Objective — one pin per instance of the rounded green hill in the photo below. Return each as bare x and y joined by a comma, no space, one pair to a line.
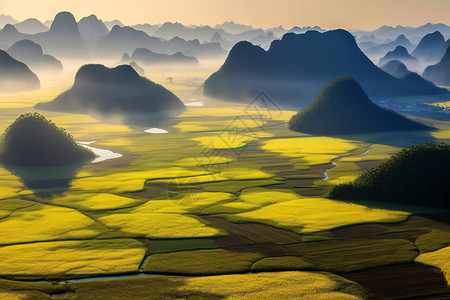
32,140
104,91
416,175
342,107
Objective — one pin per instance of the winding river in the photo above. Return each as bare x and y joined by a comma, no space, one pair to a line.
335,164
102,154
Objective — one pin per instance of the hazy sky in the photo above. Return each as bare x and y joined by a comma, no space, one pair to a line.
349,14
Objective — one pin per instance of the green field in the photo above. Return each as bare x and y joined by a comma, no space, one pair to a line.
228,191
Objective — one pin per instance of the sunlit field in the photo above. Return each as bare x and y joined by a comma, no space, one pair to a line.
228,191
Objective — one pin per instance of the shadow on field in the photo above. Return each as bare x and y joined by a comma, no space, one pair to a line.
46,181
432,213
401,139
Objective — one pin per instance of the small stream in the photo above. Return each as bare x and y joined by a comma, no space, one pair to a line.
143,262
112,277
334,163
194,102
155,130
102,154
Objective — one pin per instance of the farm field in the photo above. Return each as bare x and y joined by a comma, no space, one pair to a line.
225,203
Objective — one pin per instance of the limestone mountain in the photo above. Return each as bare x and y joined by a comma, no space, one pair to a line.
381,49
31,26
430,48
92,28
342,107
440,72
127,39
15,76
9,35
296,68
32,54
99,90
147,57
34,141
400,53
396,68
63,39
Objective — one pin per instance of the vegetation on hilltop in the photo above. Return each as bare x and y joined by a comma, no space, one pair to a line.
416,175
114,91
342,107
32,140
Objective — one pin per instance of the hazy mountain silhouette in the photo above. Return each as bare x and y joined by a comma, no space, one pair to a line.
385,32
31,53
369,38
9,35
170,30
389,32
137,68
147,57
92,28
400,53
430,28
48,23
296,68
226,44
50,144
31,26
203,33
111,24
147,28
6,19
244,36
416,175
216,38
127,39
233,28
447,44
103,91
395,68
430,47
301,30
15,76
342,107
440,72
263,40
63,39
278,31
401,41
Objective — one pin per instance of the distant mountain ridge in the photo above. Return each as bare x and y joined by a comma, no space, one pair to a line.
388,32
147,57
92,28
381,49
233,28
6,19
31,26
295,69
395,68
127,39
32,54
400,53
